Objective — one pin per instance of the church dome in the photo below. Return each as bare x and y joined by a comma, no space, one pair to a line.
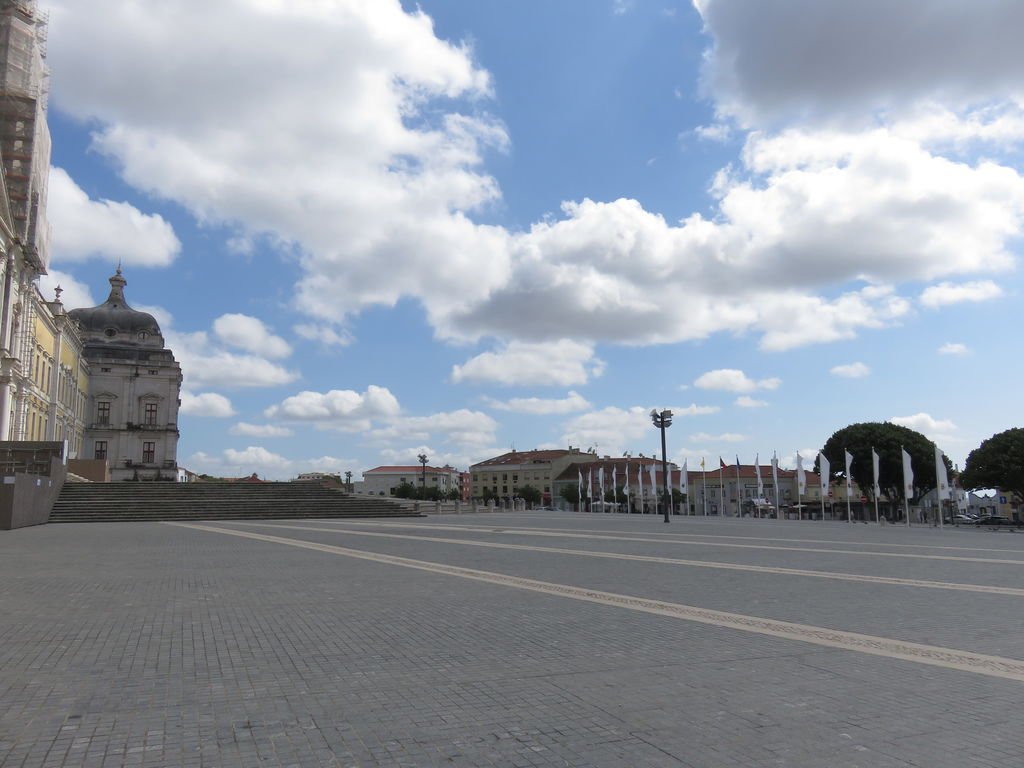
116,322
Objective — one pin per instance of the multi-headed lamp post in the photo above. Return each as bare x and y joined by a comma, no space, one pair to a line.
663,420
423,477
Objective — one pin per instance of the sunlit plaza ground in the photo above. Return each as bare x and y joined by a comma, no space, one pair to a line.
511,639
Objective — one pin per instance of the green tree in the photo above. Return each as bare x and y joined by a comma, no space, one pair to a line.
997,463
570,493
886,439
406,491
488,495
529,494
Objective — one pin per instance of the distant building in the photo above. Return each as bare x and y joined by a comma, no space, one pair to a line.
134,389
382,481
503,475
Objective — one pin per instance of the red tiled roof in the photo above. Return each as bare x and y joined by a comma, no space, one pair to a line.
525,457
416,468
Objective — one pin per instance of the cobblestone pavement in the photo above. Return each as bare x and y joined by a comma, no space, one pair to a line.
143,644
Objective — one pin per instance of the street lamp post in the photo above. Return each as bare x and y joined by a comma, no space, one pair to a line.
423,477
663,420
348,482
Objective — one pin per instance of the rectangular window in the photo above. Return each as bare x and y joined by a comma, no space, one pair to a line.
103,412
154,371
100,450
148,453
150,413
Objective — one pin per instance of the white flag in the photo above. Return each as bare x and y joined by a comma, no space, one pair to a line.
590,483
652,470
849,480
600,482
640,481
757,470
875,490
908,476
625,485
615,483
684,480
775,475
579,483
801,476
826,474
941,478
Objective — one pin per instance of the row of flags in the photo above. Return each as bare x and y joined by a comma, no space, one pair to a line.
942,477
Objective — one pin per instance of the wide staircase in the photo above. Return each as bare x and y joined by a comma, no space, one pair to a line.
117,502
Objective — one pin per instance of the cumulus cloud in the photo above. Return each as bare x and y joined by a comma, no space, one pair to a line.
325,334
612,430
733,380
560,363
746,401
259,430
206,404
342,409
808,59
850,370
953,348
928,425
74,295
462,427
250,334
948,293
725,437
542,406
810,234
85,229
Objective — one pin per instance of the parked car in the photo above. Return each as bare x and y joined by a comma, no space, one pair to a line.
994,520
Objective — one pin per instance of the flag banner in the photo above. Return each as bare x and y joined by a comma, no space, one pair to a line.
701,463
590,483
721,462
640,482
826,473
757,471
775,474
600,483
875,490
652,470
849,479
941,477
625,483
615,482
908,476
801,476
579,483
684,480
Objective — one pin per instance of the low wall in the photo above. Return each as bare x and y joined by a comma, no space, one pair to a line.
28,499
91,469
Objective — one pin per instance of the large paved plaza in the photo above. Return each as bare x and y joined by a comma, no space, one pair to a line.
511,640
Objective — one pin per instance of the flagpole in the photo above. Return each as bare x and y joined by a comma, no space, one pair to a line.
721,483
738,509
906,501
704,479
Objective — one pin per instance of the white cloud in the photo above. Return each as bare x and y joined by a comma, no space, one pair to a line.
850,370
948,293
746,401
725,437
329,337
832,60
342,409
733,380
934,429
542,406
462,427
85,229
259,430
810,235
240,463
206,404
953,348
75,295
612,430
559,363
250,334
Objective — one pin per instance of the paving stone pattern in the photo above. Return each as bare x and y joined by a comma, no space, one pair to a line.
141,644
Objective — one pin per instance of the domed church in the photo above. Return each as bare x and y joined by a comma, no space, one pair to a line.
134,390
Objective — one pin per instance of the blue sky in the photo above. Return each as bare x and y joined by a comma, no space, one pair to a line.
373,229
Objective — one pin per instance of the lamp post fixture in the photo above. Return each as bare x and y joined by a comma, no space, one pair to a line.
663,420
423,477
348,482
